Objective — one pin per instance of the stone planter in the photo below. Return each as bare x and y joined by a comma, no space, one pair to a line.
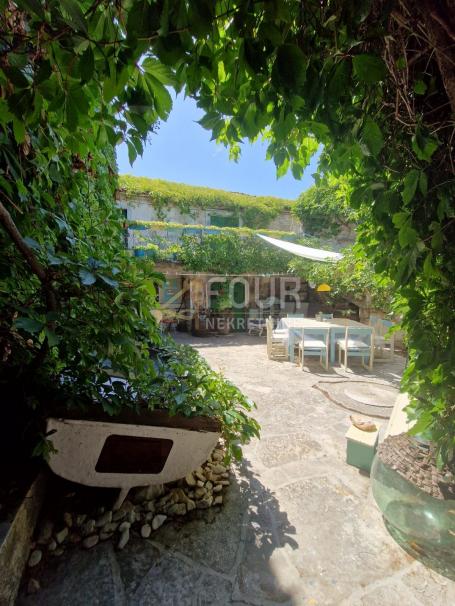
138,227
130,450
417,501
15,541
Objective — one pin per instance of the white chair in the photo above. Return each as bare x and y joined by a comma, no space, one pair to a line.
323,317
327,316
276,342
381,337
255,324
315,342
357,342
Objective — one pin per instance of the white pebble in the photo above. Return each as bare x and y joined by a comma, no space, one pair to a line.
190,480
91,541
52,545
62,535
88,527
35,558
158,521
33,586
124,538
146,531
104,519
218,468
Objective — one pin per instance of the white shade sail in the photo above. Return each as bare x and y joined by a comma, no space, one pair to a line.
315,254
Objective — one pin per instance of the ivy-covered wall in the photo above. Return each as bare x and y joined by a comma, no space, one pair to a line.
173,230
155,199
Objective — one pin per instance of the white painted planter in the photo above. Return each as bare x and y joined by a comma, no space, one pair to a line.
88,453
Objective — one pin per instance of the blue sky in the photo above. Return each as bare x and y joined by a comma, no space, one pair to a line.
181,151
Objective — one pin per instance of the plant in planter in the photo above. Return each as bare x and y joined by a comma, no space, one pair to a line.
168,429
417,500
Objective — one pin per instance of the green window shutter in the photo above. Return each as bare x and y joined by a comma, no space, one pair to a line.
224,221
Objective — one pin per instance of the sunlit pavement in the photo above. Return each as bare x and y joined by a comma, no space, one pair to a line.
299,526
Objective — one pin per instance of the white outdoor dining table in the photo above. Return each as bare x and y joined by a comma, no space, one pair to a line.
337,328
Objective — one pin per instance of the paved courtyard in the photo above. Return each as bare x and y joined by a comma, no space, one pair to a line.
299,526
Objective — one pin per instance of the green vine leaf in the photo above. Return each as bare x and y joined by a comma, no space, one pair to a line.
29,324
372,137
87,64
86,277
410,183
289,70
407,236
369,68
75,14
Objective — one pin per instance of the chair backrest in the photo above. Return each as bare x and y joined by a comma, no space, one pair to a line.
320,334
269,326
359,334
289,306
294,336
295,333
327,316
381,326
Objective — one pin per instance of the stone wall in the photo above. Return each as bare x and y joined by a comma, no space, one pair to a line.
285,221
140,208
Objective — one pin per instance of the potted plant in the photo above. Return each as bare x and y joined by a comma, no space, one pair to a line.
416,494
160,436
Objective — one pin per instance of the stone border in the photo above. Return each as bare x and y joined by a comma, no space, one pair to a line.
380,412
14,550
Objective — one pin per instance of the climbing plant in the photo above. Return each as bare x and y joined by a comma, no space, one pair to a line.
352,278
229,254
323,210
170,228
370,81
252,211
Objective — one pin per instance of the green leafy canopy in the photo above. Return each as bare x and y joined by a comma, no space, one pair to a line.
360,80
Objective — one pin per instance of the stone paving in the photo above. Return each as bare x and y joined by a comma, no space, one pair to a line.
299,526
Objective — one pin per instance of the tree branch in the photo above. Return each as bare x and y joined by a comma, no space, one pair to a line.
29,256
442,42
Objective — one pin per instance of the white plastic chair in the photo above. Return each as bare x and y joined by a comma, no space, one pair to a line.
255,323
315,342
381,338
357,342
276,342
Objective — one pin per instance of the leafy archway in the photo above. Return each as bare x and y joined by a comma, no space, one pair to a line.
371,81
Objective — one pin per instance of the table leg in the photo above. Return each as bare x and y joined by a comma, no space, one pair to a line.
291,347
332,347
